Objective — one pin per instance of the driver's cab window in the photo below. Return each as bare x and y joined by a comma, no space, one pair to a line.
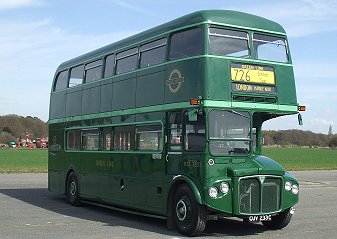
229,132
195,132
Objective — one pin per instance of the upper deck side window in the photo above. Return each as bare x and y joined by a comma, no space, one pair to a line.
226,42
61,81
76,76
186,43
270,48
152,53
127,61
93,71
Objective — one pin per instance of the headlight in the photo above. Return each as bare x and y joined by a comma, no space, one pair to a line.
213,192
224,187
294,189
288,186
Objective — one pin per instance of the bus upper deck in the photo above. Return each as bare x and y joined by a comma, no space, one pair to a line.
234,58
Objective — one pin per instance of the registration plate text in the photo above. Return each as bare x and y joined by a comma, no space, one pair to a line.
259,218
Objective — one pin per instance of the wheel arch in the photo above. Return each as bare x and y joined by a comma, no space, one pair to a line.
177,181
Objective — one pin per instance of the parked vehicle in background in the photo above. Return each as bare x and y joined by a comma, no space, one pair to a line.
11,144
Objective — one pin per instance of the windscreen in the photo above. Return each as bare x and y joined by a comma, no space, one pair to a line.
229,132
270,48
225,42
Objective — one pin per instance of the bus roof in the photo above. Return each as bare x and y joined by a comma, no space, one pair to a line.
224,17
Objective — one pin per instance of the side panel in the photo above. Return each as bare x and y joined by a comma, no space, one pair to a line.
91,98
124,92
56,158
183,80
150,183
90,176
106,96
150,87
74,101
57,105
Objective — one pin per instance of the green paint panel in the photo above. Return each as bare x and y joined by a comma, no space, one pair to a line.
123,94
150,87
106,96
91,99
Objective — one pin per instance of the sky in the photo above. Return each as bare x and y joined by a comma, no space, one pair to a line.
37,35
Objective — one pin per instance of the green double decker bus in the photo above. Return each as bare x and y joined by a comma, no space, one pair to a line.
167,122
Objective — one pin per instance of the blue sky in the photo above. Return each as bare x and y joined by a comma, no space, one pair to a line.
37,35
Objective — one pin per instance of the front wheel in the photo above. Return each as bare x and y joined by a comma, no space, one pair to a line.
279,221
189,216
72,190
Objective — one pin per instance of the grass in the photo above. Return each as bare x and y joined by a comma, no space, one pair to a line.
303,158
23,160
36,160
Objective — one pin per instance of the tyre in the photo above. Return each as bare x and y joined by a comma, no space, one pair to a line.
72,190
189,216
279,221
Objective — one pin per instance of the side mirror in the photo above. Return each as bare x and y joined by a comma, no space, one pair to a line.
300,120
193,115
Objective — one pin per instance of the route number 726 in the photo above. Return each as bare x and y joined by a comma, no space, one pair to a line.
241,75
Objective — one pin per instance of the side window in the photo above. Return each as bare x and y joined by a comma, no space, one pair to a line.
152,53
195,133
149,137
61,81
109,65
185,44
124,137
93,71
175,130
73,140
76,76
107,138
90,139
127,61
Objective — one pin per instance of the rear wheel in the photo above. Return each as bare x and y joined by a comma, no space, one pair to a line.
279,221
189,216
72,190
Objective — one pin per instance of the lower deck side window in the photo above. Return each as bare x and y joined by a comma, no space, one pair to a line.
73,140
90,140
149,137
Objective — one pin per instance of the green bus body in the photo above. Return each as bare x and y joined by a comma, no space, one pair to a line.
133,139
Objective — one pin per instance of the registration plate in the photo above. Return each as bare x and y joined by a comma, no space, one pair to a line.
252,74
259,218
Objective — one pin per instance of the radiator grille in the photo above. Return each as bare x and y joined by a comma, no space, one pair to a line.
256,99
259,195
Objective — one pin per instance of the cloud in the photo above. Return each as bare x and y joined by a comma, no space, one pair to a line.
133,7
12,4
299,18
321,122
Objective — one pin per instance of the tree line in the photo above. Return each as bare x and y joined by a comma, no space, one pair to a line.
12,127
299,138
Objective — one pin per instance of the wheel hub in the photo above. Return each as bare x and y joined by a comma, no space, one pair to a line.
181,210
73,188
